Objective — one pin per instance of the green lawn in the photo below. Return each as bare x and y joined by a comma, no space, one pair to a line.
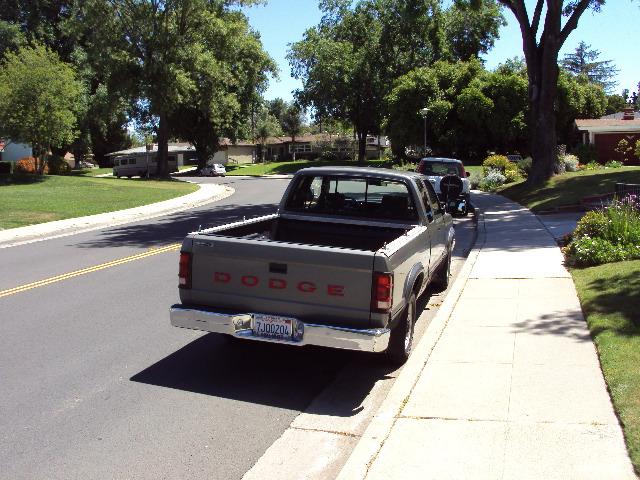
279,168
29,200
91,172
610,297
570,188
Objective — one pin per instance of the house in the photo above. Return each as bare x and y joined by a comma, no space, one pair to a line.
235,153
313,145
14,151
605,133
183,152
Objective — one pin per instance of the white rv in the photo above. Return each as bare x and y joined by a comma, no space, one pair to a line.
138,165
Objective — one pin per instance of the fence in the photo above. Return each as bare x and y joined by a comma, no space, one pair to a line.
625,189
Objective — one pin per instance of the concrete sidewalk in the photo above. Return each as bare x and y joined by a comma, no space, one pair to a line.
207,193
506,383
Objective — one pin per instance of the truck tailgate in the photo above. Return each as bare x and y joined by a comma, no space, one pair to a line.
316,284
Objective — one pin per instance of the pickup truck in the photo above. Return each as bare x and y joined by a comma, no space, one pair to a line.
339,265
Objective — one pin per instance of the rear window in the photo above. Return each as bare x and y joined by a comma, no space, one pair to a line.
440,168
352,196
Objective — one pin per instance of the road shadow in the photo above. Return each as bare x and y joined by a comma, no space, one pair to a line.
262,373
173,228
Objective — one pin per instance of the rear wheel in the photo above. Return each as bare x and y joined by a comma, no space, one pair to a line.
401,340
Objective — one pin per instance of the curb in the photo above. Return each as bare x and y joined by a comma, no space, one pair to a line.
374,437
62,228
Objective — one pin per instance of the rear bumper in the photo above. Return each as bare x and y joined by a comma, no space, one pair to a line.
240,325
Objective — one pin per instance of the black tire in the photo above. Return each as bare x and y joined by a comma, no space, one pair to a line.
401,340
441,278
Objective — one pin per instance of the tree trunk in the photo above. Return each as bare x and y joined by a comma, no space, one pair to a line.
362,147
543,88
163,147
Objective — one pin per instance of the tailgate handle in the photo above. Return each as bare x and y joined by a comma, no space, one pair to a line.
278,268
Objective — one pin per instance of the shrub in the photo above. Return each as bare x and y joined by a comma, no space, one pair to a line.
27,165
587,251
492,180
610,235
592,166
571,162
525,165
592,224
613,164
495,162
637,152
58,165
501,164
586,153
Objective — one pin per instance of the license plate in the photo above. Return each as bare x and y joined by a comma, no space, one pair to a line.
272,326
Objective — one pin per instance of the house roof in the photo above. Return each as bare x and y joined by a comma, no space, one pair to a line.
173,148
608,125
619,115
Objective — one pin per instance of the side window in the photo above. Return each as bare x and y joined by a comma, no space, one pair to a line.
424,198
433,198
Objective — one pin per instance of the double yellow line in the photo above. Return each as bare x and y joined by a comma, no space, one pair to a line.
84,271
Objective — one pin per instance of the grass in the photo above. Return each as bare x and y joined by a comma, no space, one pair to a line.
569,188
29,200
91,172
610,297
280,168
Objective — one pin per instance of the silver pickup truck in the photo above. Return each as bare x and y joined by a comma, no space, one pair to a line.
339,265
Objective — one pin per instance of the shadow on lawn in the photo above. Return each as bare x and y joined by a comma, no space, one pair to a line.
618,294
21,179
570,189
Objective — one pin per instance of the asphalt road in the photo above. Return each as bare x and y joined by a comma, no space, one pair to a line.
95,383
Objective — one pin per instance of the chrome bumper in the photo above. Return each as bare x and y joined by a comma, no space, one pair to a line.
240,325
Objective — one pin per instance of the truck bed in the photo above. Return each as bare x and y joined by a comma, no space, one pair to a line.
327,234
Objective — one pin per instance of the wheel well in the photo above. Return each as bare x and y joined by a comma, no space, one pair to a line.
418,284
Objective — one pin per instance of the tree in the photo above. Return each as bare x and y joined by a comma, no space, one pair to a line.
470,110
336,62
266,126
577,98
615,103
224,83
40,99
584,62
292,122
11,38
471,27
166,42
541,55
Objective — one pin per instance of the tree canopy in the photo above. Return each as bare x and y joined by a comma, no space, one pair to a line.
40,100
349,62
584,62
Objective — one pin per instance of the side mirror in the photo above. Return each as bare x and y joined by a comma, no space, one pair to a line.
468,174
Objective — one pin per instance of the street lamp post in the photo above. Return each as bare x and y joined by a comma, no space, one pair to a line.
424,112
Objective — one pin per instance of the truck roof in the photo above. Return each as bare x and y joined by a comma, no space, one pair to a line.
361,171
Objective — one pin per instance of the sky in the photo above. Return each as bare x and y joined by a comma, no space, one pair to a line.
612,31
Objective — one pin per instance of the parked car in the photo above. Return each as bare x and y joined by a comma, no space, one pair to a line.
435,168
514,157
83,164
340,264
213,170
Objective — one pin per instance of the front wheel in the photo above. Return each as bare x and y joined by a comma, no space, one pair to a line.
441,278
401,340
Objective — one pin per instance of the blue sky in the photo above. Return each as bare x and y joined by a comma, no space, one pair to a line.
613,31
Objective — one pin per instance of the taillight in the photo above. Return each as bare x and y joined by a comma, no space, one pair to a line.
184,274
382,292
